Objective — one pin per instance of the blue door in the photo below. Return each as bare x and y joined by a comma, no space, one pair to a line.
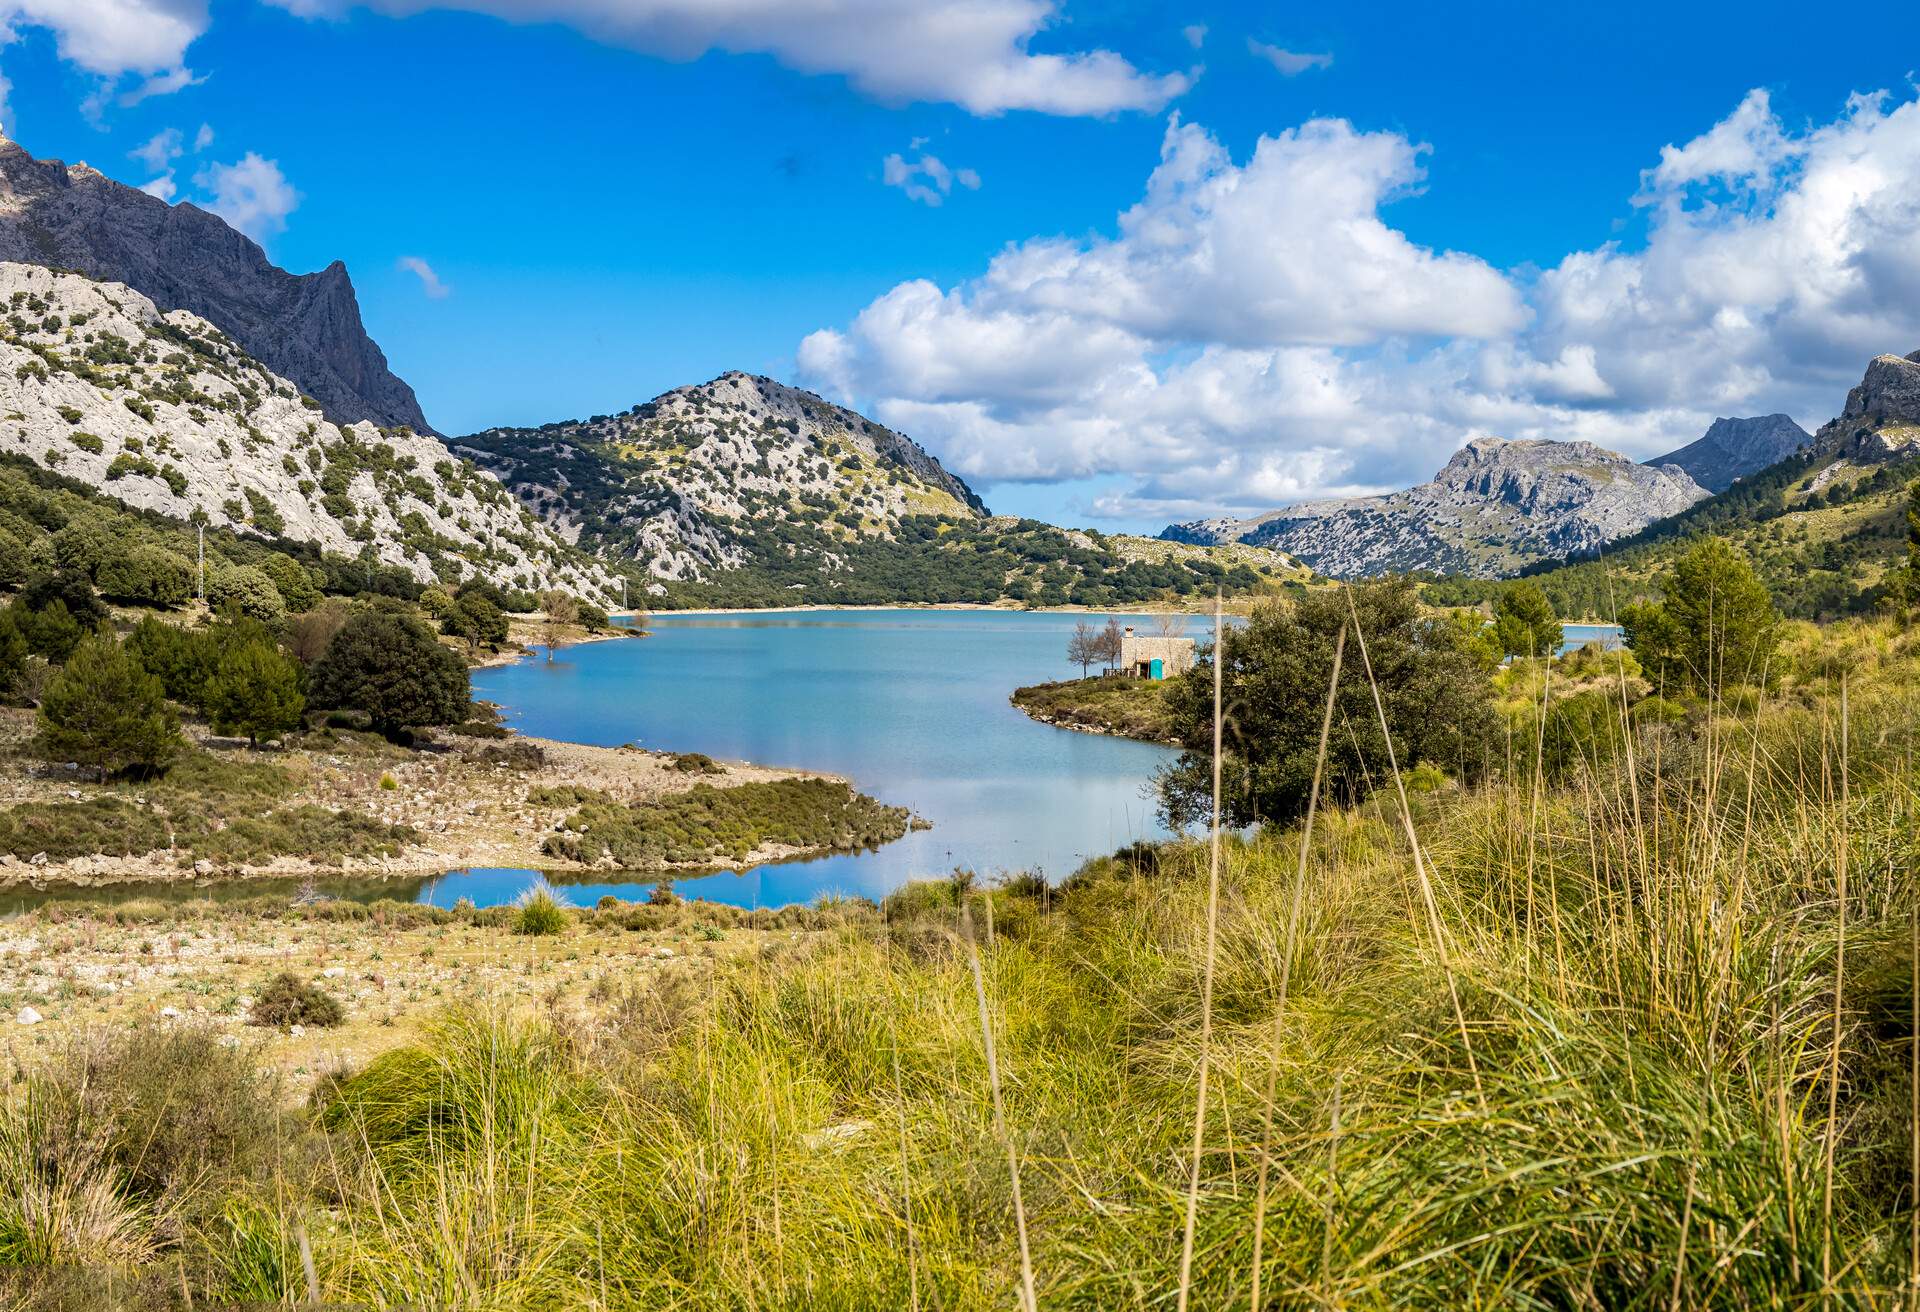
1156,669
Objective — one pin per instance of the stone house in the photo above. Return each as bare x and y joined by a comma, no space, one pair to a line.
1145,657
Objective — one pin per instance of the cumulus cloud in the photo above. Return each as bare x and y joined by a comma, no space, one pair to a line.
1251,334
160,150
429,280
203,138
163,186
115,39
252,194
926,179
1196,34
1291,63
972,53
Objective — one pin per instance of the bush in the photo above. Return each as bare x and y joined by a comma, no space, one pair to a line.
540,910
697,763
147,575
1714,626
391,668
1523,621
287,1000
105,711
292,581
182,659
475,620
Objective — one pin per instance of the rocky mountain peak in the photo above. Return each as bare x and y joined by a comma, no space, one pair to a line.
1733,449
1881,418
305,327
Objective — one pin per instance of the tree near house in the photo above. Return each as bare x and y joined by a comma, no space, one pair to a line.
103,710
1084,646
1111,637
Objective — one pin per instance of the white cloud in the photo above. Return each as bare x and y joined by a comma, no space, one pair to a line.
1291,63
112,39
429,280
1196,34
160,150
926,179
972,53
251,194
1252,334
163,186
203,138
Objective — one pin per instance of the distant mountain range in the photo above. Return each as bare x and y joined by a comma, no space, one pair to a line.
304,327
1495,506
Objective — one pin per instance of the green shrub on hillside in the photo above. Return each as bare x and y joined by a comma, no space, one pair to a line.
104,711
707,824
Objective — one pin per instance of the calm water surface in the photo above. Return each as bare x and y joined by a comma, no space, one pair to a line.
910,705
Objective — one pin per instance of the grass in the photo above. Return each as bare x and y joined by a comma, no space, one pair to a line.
1132,708
1579,1038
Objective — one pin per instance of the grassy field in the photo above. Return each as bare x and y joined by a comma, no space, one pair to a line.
1633,1025
1132,708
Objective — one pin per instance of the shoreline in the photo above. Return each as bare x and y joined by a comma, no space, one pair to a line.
927,606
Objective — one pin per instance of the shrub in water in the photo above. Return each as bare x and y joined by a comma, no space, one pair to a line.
289,1000
540,911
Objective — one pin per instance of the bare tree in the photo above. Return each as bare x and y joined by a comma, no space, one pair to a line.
1110,640
561,610
1170,625
1084,647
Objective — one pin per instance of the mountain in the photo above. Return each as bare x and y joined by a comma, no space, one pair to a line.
1733,449
1822,527
1496,505
304,327
694,480
165,412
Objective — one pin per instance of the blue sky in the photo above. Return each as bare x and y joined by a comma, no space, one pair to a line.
1460,223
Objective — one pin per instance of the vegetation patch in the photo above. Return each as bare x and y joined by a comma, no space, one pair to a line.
1114,704
286,999
708,824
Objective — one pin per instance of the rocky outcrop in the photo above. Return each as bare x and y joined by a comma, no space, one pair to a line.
1733,449
693,481
1881,419
1497,505
304,327
165,412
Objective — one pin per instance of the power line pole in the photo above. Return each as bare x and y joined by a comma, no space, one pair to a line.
203,564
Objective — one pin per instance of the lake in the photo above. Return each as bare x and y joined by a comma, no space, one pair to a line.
911,705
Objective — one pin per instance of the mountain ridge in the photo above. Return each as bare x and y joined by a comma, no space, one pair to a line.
1496,504
305,327
1733,449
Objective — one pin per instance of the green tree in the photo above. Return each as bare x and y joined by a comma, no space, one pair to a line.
245,589
559,609
255,690
13,655
50,631
182,659
391,668
1277,666
1714,626
103,710
1523,621
292,580
147,575
476,620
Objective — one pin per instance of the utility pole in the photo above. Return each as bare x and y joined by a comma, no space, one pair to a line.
203,564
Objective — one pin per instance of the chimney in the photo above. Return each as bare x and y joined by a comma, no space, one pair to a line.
1129,630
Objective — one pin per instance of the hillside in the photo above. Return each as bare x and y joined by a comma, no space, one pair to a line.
1822,527
746,492
304,327
167,413
1496,506
1733,449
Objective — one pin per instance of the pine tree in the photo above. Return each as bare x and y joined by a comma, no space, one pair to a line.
1523,621
255,690
103,710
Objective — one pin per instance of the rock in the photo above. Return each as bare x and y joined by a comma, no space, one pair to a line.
1881,419
296,1030
37,859
1496,505
333,972
305,327
27,1016
171,1013
203,867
